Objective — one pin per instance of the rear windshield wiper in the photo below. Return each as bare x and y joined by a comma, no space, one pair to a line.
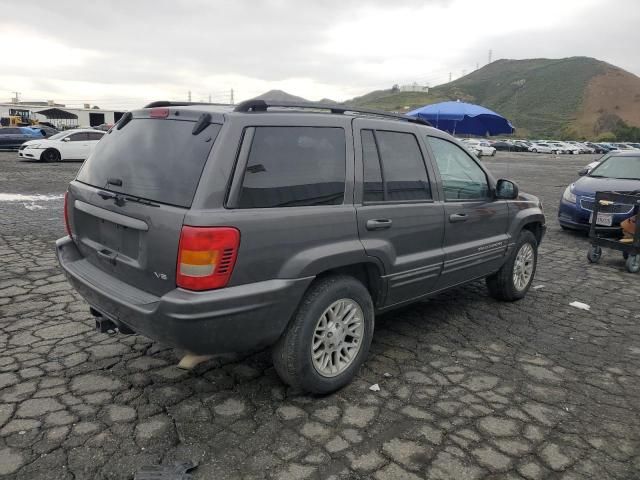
120,199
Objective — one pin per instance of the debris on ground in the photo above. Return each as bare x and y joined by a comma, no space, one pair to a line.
580,305
375,387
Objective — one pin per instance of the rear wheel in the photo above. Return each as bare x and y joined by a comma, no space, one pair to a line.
328,337
50,155
513,280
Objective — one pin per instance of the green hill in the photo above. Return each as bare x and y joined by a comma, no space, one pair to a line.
542,97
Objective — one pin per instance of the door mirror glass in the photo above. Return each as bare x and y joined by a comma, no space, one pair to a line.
506,189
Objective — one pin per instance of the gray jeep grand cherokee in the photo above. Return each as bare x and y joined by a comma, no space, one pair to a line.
288,226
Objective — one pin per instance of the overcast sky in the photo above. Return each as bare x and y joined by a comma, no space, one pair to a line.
123,53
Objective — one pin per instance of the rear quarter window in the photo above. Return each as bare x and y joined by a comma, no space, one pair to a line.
156,159
294,166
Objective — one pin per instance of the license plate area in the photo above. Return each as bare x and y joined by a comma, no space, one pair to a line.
603,219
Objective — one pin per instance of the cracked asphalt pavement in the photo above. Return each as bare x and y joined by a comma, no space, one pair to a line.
469,387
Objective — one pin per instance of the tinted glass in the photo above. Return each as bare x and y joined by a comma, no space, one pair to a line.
403,167
462,177
95,136
373,191
10,131
155,159
294,166
58,136
79,137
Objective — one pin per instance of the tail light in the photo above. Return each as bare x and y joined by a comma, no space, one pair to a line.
67,226
206,257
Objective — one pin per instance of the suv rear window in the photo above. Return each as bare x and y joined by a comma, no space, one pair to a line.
156,159
295,166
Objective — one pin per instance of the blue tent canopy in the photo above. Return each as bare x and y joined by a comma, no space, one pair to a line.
463,118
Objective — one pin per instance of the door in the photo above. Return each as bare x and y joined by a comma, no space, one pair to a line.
96,119
475,240
76,146
399,220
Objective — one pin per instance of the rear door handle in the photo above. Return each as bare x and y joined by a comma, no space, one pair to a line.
108,255
458,217
379,224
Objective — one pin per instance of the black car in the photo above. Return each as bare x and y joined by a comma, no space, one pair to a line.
598,148
509,147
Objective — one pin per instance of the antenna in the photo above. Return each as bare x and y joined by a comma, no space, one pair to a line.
490,55
449,76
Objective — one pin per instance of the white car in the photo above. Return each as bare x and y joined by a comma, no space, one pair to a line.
542,148
479,147
68,145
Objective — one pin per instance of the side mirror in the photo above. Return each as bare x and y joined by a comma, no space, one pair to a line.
66,139
507,190
583,172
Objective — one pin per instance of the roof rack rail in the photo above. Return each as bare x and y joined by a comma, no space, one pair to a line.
167,103
263,105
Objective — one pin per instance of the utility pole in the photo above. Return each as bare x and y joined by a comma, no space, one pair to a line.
477,65
231,97
189,96
490,55
449,76
209,98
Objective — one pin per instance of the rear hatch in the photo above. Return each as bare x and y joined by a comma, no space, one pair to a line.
127,204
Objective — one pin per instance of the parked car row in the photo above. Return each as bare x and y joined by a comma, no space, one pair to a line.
489,147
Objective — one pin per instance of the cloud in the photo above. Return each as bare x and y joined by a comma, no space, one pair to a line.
124,53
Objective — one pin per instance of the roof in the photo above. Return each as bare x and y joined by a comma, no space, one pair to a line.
58,114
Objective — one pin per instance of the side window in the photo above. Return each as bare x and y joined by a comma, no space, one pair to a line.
95,136
78,137
373,189
403,175
462,177
295,166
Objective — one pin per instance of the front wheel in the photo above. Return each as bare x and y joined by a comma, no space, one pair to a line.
633,263
328,337
50,155
514,279
594,254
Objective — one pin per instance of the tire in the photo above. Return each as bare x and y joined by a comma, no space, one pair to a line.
594,254
501,284
50,155
535,150
633,264
293,354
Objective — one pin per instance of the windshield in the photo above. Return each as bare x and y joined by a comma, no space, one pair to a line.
158,160
58,136
626,167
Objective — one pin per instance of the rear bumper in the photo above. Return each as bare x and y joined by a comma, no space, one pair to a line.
233,319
